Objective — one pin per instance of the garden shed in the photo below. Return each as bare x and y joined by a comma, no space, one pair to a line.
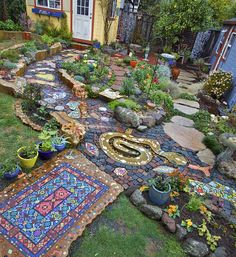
224,55
87,19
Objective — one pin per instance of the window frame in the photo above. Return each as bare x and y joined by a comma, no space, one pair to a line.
222,38
229,45
48,5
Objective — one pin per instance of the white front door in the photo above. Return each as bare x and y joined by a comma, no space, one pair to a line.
82,19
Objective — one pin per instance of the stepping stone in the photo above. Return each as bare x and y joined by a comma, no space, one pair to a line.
206,156
48,77
185,109
164,169
182,121
189,138
188,103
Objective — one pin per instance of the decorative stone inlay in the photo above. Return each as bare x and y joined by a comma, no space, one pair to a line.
214,188
59,95
175,158
164,169
92,149
110,95
205,170
120,171
48,77
186,137
75,114
102,109
49,100
24,118
125,148
59,108
73,105
85,191
75,131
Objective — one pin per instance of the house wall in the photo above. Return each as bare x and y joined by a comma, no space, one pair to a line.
227,64
98,28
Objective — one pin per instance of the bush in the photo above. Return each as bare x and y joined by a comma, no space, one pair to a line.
188,96
173,89
162,99
213,144
28,47
5,64
48,39
130,104
9,25
202,120
194,203
128,87
218,83
11,55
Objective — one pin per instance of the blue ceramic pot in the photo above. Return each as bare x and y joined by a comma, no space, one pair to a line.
60,148
97,45
159,197
45,155
12,175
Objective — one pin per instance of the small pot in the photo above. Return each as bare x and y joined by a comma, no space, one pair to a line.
60,148
27,35
97,45
133,64
175,73
26,163
159,197
45,155
12,175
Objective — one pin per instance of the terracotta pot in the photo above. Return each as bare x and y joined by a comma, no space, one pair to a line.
26,35
175,71
133,64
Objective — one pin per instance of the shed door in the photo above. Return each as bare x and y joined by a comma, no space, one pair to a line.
82,19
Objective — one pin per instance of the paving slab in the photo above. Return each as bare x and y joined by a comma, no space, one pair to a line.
188,103
182,121
185,109
206,156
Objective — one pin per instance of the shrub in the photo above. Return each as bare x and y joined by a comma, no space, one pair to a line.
12,55
173,89
10,25
213,144
194,203
188,96
163,71
28,47
218,83
128,87
127,103
163,83
202,120
162,99
5,64
48,39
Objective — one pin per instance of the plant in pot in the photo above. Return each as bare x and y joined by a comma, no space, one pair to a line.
28,156
96,44
59,142
10,170
46,148
159,192
133,61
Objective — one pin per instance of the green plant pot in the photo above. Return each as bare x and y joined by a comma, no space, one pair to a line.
26,163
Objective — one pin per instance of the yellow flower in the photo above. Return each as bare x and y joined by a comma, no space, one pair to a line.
203,209
189,223
143,188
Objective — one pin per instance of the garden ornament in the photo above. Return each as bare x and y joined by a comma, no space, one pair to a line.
74,131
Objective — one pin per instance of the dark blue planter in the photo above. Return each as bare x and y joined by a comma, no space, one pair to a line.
97,45
159,197
12,175
45,155
60,148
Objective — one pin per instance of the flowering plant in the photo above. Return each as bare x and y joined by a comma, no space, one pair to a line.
173,211
204,211
188,224
218,83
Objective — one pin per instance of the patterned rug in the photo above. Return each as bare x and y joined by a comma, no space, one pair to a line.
41,214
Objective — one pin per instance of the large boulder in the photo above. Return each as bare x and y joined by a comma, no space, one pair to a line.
137,198
152,211
126,116
219,252
195,248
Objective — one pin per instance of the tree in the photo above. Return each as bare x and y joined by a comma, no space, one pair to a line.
177,16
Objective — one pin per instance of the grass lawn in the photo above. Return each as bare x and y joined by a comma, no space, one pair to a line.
121,231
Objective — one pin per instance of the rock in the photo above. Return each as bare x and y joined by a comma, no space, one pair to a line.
137,91
126,116
159,116
219,252
182,121
153,212
169,223
142,128
188,103
206,156
189,138
110,95
195,248
137,198
164,169
130,190
181,232
227,168
148,121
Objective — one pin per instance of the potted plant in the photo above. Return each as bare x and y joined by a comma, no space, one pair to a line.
10,170
160,189
28,156
46,148
133,61
96,44
59,142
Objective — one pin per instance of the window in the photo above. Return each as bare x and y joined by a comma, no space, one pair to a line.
230,43
52,4
83,7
